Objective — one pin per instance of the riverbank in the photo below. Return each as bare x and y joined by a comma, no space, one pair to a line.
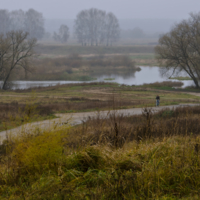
125,76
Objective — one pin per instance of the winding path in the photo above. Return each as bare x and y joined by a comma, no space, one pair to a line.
77,118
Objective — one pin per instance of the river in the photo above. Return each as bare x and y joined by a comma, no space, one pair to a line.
146,75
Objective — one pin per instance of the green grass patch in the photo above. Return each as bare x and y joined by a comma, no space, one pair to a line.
181,78
145,56
109,79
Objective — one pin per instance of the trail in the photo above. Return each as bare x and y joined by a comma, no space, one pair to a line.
77,118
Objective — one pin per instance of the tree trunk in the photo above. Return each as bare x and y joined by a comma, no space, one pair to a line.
5,81
196,83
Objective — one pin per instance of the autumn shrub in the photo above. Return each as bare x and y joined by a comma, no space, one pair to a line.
38,152
153,169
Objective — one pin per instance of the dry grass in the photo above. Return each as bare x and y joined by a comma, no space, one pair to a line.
97,96
14,114
166,123
138,157
64,50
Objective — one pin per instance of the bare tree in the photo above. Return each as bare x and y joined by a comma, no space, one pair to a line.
179,50
62,35
34,24
112,31
4,21
15,52
17,20
82,27
94,27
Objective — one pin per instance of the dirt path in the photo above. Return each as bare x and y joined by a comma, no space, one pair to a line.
76,118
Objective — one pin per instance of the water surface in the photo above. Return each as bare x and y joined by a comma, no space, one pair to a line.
146,75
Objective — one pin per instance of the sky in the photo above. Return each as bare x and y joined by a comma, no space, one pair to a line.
123,9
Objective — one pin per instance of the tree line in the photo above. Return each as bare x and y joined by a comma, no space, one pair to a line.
95,27
91,27
30,21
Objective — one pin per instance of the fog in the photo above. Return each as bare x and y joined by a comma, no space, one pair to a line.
152,16
149,26
123,9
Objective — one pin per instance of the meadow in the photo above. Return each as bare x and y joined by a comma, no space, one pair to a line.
151,156
23,106
56,50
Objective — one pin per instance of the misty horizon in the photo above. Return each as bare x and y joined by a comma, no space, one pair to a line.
149,26
126,9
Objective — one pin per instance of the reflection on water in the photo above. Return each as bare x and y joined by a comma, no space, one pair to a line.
146,75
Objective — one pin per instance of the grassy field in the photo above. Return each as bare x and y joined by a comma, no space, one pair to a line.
141,54
16,112
149,156
58,50
181,78
82,98
144,59
152,156
135,96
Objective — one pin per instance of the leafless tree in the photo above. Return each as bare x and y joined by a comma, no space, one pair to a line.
112,29
179,50
17,20
5,21
62,35
94,27
31,22
82,27
34,24
15,52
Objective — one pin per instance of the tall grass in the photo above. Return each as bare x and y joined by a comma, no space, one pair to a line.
76,163
15,114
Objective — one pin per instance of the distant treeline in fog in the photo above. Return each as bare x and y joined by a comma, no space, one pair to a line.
30,21
91,27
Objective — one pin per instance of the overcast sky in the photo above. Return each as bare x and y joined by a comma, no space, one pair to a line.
123,9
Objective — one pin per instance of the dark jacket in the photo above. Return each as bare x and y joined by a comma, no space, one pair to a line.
157,98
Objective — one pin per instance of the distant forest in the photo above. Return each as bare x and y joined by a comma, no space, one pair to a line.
91,27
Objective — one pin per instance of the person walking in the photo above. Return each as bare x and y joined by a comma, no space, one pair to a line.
157,100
